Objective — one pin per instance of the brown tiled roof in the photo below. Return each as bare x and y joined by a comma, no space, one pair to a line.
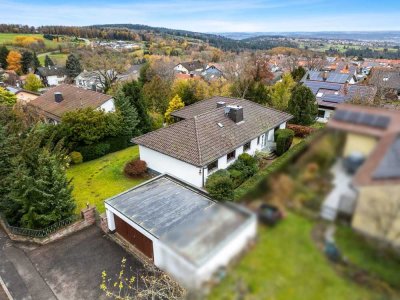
73,98
192,65
199,139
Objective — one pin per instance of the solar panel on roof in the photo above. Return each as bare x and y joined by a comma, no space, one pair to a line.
340,115
381,122
366,119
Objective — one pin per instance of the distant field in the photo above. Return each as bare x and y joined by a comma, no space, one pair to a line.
58,58
8,38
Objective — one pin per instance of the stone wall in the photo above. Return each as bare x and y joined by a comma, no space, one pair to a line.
88,218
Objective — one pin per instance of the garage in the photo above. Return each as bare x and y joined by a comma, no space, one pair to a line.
185,232
137,239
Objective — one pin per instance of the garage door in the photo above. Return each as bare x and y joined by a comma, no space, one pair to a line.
139,240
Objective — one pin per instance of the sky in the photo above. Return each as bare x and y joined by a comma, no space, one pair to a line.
211,16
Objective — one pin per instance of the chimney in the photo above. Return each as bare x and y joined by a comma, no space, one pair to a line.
221,104
346,88
58,97
94,87
325,76
235,113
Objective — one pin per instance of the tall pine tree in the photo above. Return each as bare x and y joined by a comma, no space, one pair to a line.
132,90
73,66
35,61
26,61
48,62
40,193
3,57
130,119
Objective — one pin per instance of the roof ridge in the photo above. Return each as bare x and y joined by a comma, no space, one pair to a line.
197,139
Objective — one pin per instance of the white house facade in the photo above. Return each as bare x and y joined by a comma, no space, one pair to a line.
196,147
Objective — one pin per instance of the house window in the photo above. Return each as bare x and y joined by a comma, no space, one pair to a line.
212,166
321,113
258,140
246,147
231,155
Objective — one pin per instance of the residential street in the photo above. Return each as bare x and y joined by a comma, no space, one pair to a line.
67,269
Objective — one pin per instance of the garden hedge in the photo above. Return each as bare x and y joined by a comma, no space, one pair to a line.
284,139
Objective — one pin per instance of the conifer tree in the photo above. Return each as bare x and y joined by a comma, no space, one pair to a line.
3,57
130,119
48,62
73,66
132,90
175,104
35,61
26,61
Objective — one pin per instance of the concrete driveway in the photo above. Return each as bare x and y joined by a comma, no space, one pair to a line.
67,269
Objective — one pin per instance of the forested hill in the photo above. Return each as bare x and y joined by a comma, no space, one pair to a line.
218,41
137,32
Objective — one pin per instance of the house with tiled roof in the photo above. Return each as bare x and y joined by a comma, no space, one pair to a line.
387,81
367,172
51,75
210,135
65,98
190,67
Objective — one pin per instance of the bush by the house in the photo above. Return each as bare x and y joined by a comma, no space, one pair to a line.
94,151
300,130
284,139
118,143
220,186
135,168
244,167
76,157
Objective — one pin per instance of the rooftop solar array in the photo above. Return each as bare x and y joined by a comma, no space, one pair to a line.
381,122
389,166
337,77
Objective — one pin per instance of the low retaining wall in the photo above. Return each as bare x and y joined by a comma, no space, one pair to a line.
88,218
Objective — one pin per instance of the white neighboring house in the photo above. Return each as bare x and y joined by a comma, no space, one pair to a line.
64,98
180,228
89,80
52,75
210,135
189,67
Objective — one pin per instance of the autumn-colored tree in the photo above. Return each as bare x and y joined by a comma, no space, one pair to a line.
175,104
190,90
32,83
14,61
282,91
7,98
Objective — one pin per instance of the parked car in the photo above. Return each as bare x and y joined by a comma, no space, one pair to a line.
269,214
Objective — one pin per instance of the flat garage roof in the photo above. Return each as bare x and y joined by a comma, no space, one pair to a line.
180,215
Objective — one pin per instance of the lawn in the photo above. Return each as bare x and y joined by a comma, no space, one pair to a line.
99,179
59,59
384,266
8,38
285,264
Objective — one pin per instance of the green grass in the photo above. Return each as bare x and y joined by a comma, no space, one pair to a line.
384,266
8,38
285,264
58,58
99,179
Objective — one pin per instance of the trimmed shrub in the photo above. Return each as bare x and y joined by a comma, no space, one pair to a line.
118,143
135,168
237,177
94,151
300,130
220,186
76,157
283,139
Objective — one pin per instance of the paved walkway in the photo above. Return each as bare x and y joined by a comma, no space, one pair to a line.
66,269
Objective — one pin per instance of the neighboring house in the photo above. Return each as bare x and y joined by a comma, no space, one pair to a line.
368,171
51,76
64,98
131,74
329,95
210,135
181,229
387,81
330,77
212,72
189,67
89,80
25,96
